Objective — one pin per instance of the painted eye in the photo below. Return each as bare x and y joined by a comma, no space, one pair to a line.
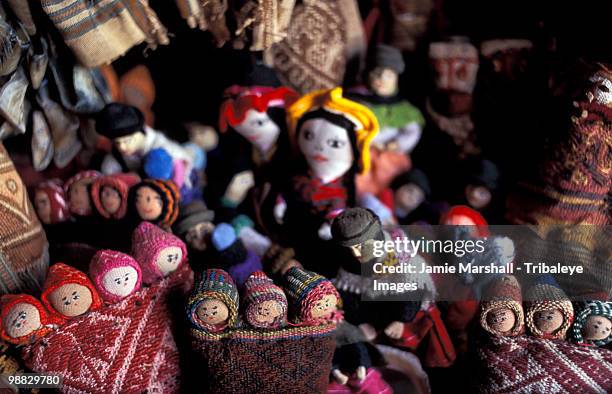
308,135
336,144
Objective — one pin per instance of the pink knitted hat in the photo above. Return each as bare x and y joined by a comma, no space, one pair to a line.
150,248
116,275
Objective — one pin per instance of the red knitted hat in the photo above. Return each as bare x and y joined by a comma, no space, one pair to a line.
89,176
47,321
476,218
53,189
120,182
169,194
61,274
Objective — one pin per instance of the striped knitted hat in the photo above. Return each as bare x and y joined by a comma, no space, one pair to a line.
546,294
218,285
584,310
504,292
259,288
57,199
88,177
169,194
304,288
120,182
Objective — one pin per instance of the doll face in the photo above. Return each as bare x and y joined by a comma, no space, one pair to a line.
203,136
266,313
120,281
71,299
325,306
409,197
43,206
259,129
597,328
501,319
549,320
456,73
477,196
327,149
212,312
78,198
383,81
22,319
148,203
110,199
169,259
198,236
130,144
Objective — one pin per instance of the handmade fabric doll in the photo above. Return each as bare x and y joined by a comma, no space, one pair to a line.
593,324
155,201
548,312
68,292
501,309
50,202
213,303
110,194
158,252
116,275
232,255
411,198
265,304
124,125
77,192
353,355
356,230
24,319
195,225
481,184
313,298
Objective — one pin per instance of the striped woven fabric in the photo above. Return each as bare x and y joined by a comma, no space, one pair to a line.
99,31
246,334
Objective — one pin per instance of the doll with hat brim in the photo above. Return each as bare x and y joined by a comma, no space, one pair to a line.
593,323
232,255
213,303
155,201
110,194
77,192
116,275
50,202
195,225
411,198
158,252
501,309
265,304
68,293
313,298
24,319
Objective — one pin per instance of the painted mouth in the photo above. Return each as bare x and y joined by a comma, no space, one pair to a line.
319,158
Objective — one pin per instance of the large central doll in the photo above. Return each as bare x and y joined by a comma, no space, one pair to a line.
332,137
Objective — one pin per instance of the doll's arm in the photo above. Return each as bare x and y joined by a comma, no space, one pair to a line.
408,137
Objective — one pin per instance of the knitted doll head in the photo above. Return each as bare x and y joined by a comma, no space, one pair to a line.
455,64
157,164
213,304
313,297
265,304
156,201
68,292
24,319
195,225
593,324
502,311
384,73
481,182
251,113
548,311
116,275
110,194
332,133
158,252
123,124
50,202
357,229
78,194
410,189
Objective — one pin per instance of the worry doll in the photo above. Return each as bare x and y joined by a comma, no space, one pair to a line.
213,303
24,319
593,324
265,304
50,202
77,192
110,194
155,201
116,275
313,298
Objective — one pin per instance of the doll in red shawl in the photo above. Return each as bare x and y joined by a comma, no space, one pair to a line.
24,319
50,202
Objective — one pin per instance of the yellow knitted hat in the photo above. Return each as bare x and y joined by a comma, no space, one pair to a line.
332,100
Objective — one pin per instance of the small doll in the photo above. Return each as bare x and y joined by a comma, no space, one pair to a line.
204,136
265,304
24,319
195,226
313,298
411,194
481,183
132,139
501,311
50,202
110,194
116,275
155,201
593,324
353,354
548,311
158,252
78,194
213,303
232,255
68,293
